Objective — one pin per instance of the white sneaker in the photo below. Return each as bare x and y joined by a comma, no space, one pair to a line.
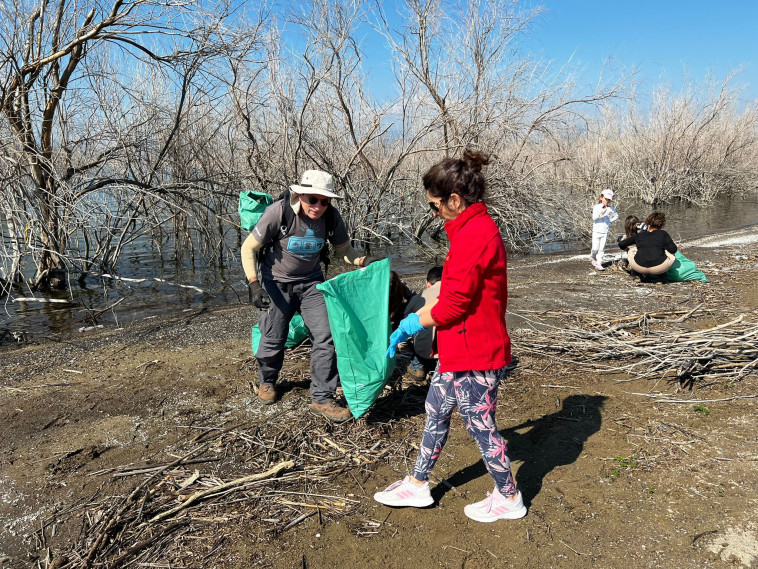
599,266
405,493
496,507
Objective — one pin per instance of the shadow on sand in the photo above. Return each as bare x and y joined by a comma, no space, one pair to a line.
550,441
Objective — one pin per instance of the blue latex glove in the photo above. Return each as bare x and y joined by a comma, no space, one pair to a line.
407,328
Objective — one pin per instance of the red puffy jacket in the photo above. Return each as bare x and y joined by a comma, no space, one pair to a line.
470,312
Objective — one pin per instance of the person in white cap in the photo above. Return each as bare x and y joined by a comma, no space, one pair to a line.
290,245
603,215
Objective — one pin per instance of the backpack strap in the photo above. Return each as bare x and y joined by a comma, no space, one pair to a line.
288,214
330,221
329,218
285,224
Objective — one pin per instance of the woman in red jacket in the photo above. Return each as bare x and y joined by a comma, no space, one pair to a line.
472,340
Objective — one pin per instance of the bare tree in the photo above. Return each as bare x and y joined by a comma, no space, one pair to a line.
80,125
143,120
692,145
10,210
464,62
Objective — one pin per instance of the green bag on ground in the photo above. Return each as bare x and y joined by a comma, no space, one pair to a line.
297,333
251,207
358,307
684,270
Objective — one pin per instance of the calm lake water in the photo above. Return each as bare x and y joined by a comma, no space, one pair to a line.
141,300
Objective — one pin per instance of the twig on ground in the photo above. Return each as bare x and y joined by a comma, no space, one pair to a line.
660,398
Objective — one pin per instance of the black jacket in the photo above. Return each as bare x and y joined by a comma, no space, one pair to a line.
651,247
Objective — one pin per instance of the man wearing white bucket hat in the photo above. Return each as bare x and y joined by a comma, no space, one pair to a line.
603,215
291,235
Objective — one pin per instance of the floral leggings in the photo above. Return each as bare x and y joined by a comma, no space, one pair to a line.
475,394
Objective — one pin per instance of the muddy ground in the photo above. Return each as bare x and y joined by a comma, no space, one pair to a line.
611,477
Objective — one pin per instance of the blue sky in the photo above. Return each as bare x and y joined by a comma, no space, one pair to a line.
670,41
664,39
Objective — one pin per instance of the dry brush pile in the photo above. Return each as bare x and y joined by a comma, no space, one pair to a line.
259,478
727,352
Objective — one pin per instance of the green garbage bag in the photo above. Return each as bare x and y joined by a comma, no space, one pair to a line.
297,333
358,307
684,270
251,207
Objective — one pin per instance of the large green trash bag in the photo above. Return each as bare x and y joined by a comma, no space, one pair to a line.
251,207
358,307
297,333
684,270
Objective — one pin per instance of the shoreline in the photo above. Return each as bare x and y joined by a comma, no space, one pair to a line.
80,411
164,305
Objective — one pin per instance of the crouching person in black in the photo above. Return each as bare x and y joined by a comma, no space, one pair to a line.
655,250
291,244
423,361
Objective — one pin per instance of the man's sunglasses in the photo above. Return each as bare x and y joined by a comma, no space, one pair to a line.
313,200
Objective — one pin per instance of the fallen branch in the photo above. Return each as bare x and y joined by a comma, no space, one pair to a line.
297,520
116,519
136,548
154,279
198,496
41,386
93,315
122,471
42,300
659,398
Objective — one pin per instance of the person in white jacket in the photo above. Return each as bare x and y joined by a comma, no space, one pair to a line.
603,215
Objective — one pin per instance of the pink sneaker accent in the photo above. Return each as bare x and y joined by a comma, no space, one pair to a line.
405,493
496,507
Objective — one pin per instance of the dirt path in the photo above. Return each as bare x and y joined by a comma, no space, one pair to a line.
610,475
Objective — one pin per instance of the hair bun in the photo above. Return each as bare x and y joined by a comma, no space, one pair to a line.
475,159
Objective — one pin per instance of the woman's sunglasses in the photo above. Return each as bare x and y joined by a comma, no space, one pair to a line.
313,200
435,207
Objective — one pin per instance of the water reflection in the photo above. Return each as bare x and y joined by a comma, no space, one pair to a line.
686,221
223,286
683,221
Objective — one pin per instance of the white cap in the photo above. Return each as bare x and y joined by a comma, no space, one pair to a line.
316,182
607,194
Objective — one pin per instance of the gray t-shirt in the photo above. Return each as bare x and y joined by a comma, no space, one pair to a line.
296,257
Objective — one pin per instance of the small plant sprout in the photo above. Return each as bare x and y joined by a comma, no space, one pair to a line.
702,410
622,463
630,462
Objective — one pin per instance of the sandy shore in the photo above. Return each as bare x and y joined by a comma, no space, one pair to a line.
612,473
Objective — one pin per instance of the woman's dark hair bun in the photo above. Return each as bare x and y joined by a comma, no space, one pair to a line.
462,176
475,159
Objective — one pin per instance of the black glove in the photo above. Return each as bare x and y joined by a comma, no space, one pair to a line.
258,295
368,259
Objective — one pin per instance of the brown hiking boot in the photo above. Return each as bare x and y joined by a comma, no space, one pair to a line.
417,375
267,393
331,410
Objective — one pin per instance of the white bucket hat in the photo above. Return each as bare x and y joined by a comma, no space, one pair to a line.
607,194
317,183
